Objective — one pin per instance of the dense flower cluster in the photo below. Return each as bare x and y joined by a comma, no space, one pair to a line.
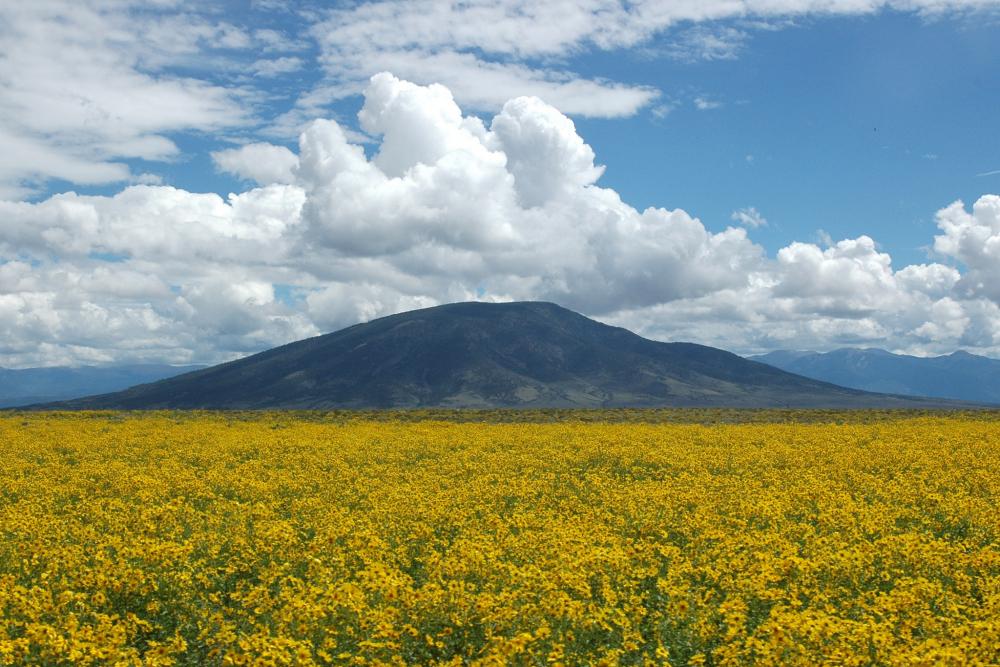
274,540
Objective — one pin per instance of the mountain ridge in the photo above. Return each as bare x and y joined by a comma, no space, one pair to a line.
487,355
960,375
26,386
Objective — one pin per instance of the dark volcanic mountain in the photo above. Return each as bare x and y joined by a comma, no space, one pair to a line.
959,375
487,355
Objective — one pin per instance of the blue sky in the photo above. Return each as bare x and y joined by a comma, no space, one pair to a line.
849,125
831,142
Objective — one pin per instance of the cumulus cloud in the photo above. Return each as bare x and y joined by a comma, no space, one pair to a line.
261,162
512,210
544,153
974,240
447,207
847,294
151,273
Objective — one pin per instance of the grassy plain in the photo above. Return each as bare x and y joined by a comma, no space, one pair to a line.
624,537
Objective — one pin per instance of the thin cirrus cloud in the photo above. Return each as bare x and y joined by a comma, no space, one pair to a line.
273,67
702,103
749,217
86,86
487,52
448,207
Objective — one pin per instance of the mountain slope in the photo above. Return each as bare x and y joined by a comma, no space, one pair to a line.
486,355
35,385
960,376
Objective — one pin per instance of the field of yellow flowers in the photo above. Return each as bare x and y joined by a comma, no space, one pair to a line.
276,539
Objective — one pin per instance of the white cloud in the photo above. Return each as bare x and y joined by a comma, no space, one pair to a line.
544,153
749,217
147,178
662,110
707,43
82,88
261,162
163,228
189,275
846,294
513,210
934,280
974,240
277,66
25,159
445,208
846,277
337,303
275,41
480,83
705,103
487,52
525,29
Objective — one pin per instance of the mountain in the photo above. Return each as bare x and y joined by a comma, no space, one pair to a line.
525,354
36,385
960,376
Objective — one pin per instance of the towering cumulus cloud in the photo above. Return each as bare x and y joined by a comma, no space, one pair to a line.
450,208
446,207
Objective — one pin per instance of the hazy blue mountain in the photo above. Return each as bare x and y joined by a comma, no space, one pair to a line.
35,385
960,375
487,355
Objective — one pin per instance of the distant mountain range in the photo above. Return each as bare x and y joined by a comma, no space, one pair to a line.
39,385
960,376
488,355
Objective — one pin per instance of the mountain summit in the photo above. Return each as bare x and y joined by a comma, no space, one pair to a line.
527,354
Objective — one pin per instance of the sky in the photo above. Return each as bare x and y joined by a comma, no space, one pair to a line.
190,181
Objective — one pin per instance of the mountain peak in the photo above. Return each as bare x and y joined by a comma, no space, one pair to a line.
480,354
